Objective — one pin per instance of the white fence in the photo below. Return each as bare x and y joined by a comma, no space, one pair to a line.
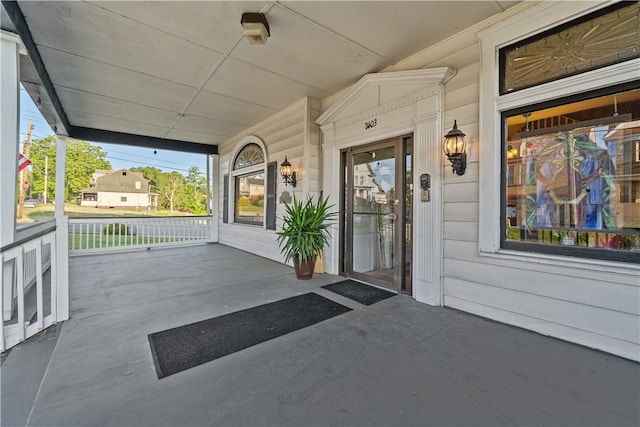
34,270
90,235
33,292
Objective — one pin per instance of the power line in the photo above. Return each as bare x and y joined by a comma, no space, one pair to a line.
36,136
144,157
150,164
29,115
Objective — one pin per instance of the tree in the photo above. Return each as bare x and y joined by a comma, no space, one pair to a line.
81,162
169,189
195,192
41,149
154,175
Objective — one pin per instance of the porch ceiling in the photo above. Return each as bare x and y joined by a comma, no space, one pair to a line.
176,71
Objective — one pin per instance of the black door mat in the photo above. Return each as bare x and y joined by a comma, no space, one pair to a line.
359,292
184,347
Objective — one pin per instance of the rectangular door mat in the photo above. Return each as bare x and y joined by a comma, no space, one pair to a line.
359,292
184,347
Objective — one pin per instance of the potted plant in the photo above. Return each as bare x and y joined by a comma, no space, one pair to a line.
305,233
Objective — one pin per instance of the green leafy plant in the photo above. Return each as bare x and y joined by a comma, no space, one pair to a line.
305,228
116,228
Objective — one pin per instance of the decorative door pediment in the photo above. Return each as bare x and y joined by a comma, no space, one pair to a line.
377,89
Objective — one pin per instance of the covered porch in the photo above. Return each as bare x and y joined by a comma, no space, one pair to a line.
396,362
182,76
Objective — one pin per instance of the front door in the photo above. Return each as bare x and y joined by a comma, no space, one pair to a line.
376,230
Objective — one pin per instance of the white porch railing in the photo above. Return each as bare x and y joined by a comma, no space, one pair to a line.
34,259
91,235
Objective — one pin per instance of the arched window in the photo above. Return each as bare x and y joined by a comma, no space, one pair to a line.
249,179
250,155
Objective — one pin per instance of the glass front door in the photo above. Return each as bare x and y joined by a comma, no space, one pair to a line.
377,206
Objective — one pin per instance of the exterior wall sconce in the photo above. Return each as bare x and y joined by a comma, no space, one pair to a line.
256,27
455,149
287,173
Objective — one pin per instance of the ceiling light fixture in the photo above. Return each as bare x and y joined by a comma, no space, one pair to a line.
256,27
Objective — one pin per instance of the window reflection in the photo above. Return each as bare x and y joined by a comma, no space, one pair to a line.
250,199
573,174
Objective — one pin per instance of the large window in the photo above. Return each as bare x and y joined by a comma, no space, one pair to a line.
571,176
248,172
560,133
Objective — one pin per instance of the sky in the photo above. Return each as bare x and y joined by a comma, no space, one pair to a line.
120,156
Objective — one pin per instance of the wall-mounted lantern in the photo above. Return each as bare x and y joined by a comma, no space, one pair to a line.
287,173
455,149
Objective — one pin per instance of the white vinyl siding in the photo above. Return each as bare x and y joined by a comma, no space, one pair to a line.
287,133
131,200
590,303
593,303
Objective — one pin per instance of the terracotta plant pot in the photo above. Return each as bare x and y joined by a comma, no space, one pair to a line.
304,270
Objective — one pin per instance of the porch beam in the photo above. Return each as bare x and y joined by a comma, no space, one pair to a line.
111,137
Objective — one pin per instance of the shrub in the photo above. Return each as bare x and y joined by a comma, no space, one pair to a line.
116,228
244,201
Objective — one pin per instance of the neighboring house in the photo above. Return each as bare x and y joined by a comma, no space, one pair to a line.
118,189
252,188
365,186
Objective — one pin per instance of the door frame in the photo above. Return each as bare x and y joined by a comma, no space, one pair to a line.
346,217
387,105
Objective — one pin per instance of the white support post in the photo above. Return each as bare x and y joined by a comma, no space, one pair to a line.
62,239
10,46
215,205
61,166
427,224
62,267
2,340
20,293
39,285
9,133
208,184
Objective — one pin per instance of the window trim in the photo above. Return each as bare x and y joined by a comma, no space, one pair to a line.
236,196
249,170
574,251
535,20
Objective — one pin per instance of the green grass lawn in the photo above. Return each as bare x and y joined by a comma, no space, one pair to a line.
78,241
86,240
252,209
47,211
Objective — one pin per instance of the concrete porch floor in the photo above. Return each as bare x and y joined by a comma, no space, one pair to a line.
395,363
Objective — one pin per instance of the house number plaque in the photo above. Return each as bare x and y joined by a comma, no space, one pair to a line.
370,124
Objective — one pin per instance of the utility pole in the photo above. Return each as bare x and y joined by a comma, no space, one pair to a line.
23,172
